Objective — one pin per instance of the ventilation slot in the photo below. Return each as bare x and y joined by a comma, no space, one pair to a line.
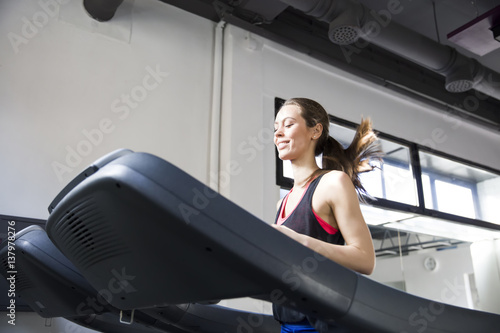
85,237
5,264
23,282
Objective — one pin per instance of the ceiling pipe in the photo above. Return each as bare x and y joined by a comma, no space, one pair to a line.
101,10
350,20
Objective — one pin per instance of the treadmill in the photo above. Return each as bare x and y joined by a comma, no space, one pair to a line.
161,248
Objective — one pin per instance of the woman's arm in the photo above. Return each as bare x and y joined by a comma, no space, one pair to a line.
358,253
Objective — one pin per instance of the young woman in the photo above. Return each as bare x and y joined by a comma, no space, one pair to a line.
322,210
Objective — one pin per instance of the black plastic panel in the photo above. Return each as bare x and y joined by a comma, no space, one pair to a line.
170,239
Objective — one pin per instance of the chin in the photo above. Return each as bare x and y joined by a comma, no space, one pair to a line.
285,157
282,156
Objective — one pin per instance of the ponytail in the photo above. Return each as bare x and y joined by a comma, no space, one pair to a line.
363,148
353,160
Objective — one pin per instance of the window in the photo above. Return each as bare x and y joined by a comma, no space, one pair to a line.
458,188
393,179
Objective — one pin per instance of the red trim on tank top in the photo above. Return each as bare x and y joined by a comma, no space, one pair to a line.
327,227
282,218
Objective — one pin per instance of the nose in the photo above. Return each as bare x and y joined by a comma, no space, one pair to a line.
278,129
278,132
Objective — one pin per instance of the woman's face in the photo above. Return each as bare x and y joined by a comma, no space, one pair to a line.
292,137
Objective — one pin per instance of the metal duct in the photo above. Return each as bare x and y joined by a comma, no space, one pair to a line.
102,10
462,73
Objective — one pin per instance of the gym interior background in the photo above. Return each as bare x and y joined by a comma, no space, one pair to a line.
196,83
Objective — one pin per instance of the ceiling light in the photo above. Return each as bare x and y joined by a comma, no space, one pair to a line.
475,35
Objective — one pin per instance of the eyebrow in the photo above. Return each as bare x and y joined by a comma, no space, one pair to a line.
276,122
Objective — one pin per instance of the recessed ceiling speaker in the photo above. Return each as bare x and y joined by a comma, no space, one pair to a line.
458,85
345,28
460,80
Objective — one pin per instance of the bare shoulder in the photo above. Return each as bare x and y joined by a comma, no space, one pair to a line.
337,180
337,186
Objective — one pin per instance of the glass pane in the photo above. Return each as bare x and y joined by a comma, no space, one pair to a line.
342,134
399,184
392,180
372,182
455,199
396,177
460,189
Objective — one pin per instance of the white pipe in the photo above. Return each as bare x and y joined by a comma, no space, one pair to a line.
216,108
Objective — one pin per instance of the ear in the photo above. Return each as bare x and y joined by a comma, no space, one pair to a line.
317,131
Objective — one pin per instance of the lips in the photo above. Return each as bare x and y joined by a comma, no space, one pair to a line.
282,144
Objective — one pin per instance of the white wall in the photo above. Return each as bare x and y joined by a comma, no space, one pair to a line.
143,80
445,283
488,192
486,261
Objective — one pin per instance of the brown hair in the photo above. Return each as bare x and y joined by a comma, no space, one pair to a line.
354,159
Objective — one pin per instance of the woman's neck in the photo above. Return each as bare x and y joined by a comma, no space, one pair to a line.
302,171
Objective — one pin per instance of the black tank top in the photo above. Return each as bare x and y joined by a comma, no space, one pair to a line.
304,220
